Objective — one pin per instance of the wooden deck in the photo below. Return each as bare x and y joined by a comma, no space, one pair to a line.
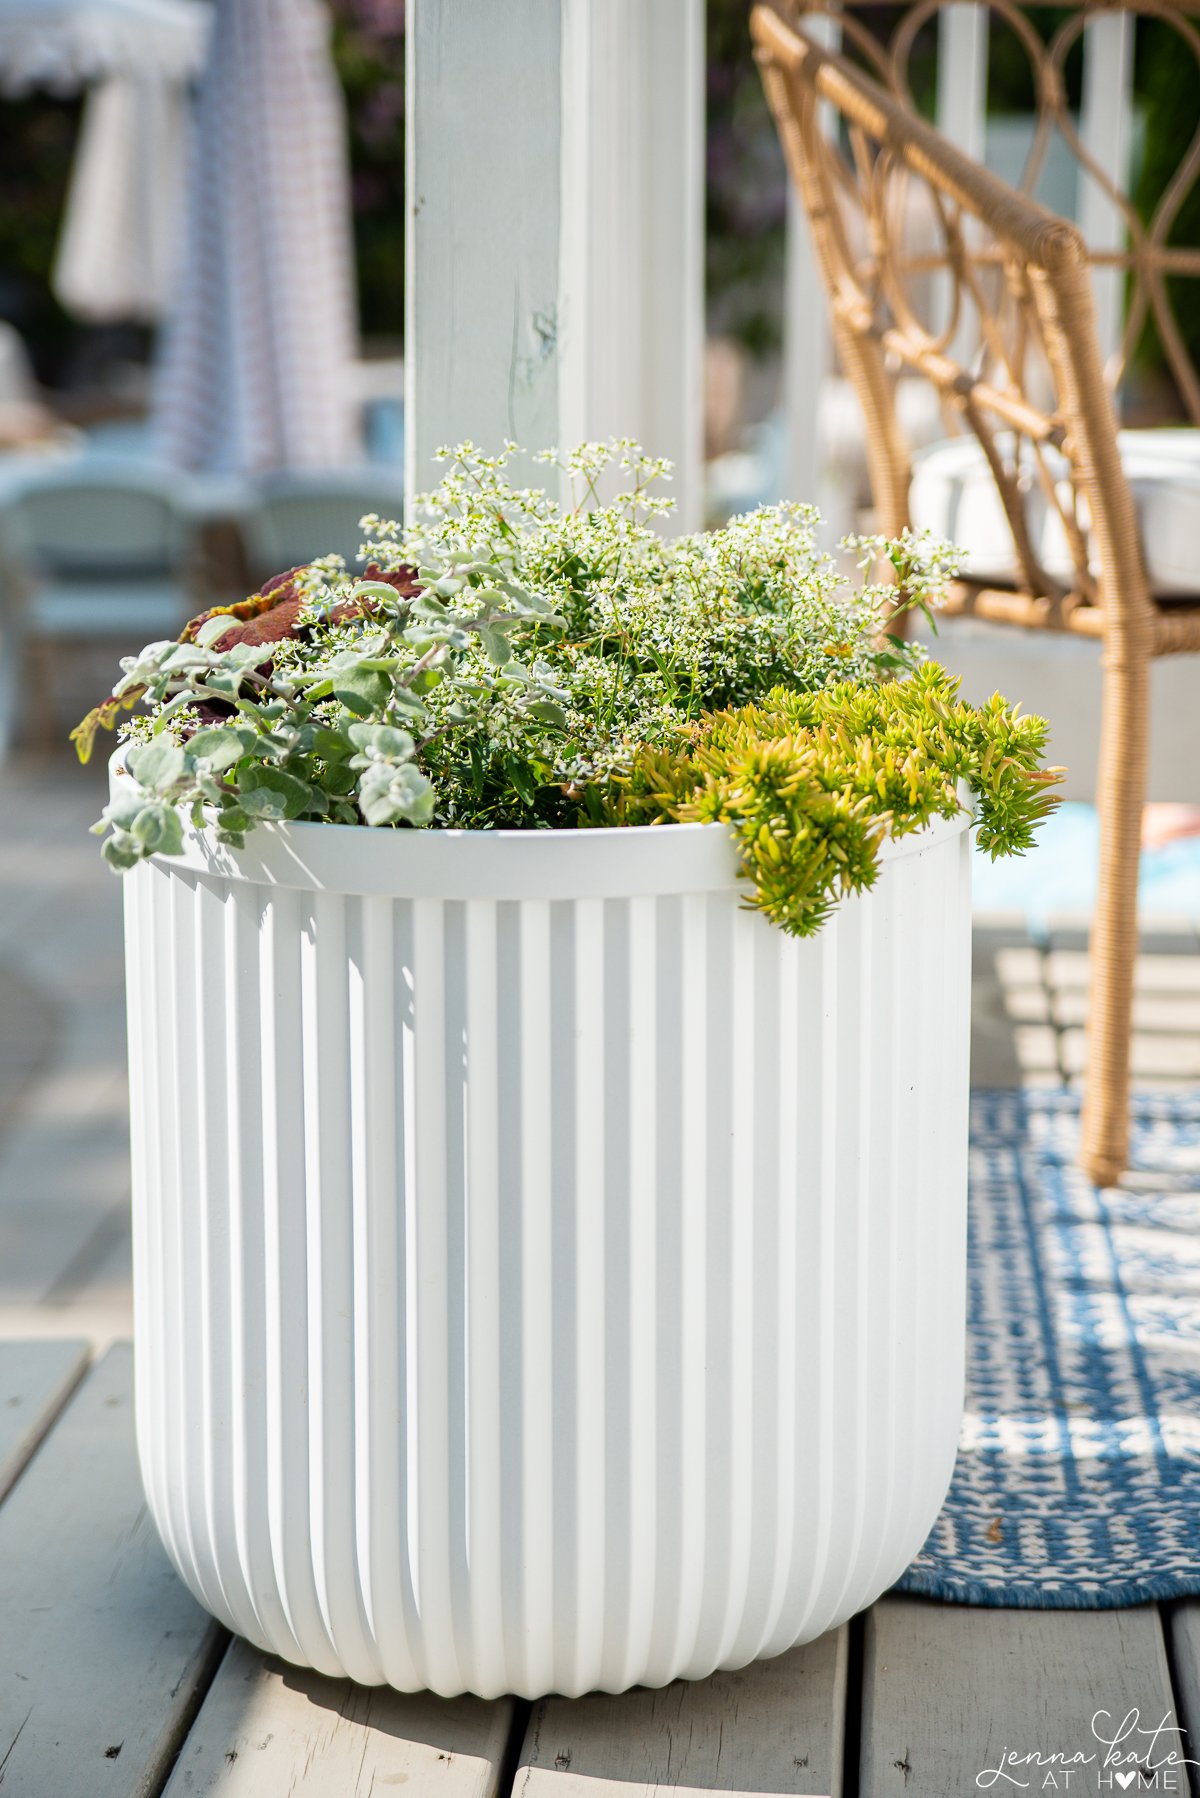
114,1683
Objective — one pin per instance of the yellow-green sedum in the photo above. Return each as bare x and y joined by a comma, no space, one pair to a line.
813,782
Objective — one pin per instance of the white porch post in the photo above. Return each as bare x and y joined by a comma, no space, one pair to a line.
481,299
1106,128
962,79
807,343
555,228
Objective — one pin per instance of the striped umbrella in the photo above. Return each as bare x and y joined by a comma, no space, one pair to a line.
115,255
64,44
118,248
256,363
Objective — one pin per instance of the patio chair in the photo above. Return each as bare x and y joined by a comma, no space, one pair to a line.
94,552
1015,359
293,518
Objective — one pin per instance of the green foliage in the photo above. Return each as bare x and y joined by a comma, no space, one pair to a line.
37,145
813,782
1166,77
514,661
745,190
368,54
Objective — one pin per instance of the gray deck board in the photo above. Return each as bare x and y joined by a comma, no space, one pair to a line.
113,1685
35,1380
774,1727
267,1728
103,1652
1182,1623
949,1689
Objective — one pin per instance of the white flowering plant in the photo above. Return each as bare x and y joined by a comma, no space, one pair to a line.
512,660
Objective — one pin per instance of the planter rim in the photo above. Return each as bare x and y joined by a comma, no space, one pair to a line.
608,862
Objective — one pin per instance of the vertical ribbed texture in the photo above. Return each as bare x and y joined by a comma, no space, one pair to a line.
545,1294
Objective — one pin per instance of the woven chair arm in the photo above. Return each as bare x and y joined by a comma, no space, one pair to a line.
1041,237
1042,302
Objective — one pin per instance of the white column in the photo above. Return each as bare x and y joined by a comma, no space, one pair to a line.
962,117
962,77
632,247
807,341
555,232
481,299
1106,130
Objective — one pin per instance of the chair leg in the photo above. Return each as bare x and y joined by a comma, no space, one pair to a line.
1124,725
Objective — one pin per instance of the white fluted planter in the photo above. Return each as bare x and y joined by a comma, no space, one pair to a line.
549,1275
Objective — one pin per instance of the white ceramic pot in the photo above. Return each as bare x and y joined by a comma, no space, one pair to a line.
549,1275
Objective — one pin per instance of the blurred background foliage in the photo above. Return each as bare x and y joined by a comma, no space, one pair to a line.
37,143
746,200
1168,85
746,192
368,49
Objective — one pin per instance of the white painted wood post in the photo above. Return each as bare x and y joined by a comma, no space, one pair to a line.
962,118
631,323
1106,132
807,352
555,228
962,77
482,229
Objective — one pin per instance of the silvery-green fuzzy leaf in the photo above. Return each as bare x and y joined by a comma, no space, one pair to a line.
292,793
172,837
396,795
248,655
121,809
331,744
375,590
424,636
361,690
183,657
262,802
405,700
157,765
148,826
548,713
496,644
384,739
212,628
158,830
544,674
143,669
121,852
219,746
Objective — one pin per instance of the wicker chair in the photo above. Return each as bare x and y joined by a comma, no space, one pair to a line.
1032,392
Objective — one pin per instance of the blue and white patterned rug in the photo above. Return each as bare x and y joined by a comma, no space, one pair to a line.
1078,1475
